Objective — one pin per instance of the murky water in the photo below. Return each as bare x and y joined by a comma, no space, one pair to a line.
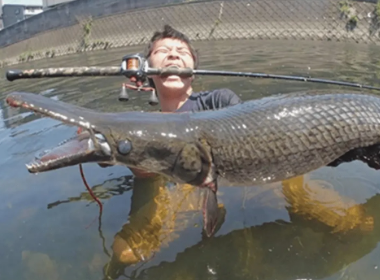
324,225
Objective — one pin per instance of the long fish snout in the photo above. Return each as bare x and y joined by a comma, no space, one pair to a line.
89,145
80,149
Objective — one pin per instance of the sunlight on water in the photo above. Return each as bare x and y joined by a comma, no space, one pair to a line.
324,225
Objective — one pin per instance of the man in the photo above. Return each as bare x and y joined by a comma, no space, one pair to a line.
175,94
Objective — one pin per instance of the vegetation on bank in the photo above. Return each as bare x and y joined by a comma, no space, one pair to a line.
348,12
85,44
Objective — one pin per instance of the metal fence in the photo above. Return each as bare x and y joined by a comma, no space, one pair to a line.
337,20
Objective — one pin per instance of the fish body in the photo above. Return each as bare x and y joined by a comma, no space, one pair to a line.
286,136
255,142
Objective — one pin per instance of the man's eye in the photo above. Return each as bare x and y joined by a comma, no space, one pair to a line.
184,52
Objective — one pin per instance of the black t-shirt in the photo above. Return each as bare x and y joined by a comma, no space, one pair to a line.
210,100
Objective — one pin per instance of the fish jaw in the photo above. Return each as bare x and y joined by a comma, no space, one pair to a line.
77,150
104,141
117,139
87,146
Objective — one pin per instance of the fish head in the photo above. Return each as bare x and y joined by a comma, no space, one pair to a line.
82,148
143,145
90,144
132,139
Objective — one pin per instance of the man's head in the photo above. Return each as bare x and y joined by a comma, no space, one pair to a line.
171,47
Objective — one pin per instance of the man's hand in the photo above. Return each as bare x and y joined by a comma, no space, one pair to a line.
134,80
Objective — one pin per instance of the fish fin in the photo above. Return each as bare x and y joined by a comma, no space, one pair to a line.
210,208
221,218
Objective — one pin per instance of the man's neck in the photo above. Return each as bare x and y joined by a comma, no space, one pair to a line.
171,104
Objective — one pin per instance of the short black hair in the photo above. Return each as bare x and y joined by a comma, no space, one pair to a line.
170,32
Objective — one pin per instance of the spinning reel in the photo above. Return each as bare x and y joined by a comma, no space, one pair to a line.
134,67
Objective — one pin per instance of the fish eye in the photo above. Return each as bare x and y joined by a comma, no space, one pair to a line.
124,147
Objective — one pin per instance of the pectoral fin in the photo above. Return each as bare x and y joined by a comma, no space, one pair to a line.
210,209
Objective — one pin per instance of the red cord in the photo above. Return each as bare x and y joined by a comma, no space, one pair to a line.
86,185
89,189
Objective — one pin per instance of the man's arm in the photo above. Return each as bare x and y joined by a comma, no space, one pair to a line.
226,97
231,97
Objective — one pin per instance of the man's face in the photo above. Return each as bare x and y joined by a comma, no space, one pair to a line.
168,52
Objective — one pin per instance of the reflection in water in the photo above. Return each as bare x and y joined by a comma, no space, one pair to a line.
303,231
312,201
322,225
159,211
38,264
101,191
276,250
158,215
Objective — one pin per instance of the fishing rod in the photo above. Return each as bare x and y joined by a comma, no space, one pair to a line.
136,68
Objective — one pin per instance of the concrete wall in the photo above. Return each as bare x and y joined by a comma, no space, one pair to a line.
66,15
85,25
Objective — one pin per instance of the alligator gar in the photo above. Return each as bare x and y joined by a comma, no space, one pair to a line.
255,142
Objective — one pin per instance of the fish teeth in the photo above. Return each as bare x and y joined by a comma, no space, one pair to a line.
31,166
66,140
35,164
38,164
62,142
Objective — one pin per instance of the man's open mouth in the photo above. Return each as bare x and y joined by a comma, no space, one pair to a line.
172,65
87,146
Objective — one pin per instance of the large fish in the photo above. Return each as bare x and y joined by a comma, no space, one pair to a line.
255,142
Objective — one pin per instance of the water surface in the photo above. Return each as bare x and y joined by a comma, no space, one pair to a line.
324,225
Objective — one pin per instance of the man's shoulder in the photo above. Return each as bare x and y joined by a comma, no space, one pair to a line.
221,97
215,93
210,100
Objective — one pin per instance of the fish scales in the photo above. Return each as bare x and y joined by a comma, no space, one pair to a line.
255,142
258,141
288,136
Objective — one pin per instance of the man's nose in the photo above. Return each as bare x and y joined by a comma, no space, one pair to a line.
173,54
